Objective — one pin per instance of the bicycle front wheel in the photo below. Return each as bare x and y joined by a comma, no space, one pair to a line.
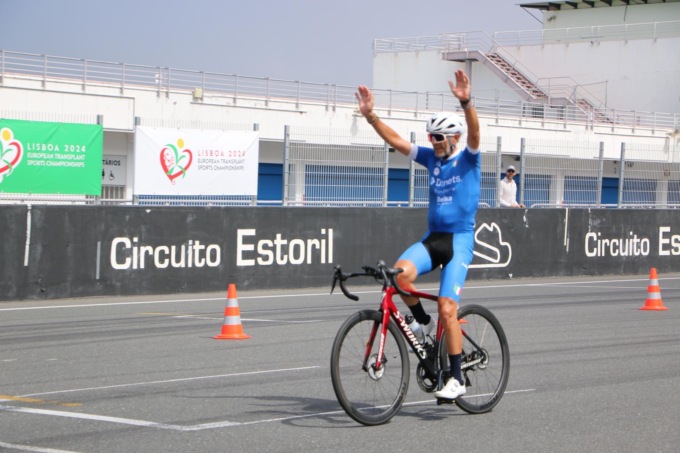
486,359
369,395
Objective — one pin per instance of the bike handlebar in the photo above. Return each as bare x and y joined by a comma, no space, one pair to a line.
382,273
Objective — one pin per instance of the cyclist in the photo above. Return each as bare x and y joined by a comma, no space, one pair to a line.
455,173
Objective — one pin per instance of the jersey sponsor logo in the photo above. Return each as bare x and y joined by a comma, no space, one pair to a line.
439,183
446,182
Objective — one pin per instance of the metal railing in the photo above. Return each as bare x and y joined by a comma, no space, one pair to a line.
592,34
53,71
454,42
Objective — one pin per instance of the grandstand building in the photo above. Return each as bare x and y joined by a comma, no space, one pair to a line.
587,108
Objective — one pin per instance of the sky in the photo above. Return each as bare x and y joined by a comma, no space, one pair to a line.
316,41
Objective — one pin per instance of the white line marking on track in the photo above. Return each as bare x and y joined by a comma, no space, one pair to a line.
203,426
246,319
118,420
195,317
280,296
36,449
610,287
101,418
217,376
279,320
509,392
50,307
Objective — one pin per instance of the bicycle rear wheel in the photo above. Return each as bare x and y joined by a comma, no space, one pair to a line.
370,396
486,359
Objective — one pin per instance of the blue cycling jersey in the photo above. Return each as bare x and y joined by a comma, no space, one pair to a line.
454,189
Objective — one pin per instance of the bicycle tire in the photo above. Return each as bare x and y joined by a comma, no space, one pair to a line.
369,397
485,382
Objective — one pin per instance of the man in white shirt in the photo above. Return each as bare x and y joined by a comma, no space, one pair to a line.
508,193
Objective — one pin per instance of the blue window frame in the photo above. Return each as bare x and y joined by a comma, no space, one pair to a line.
610,191
343,183
536,189
639,191
580,189
270,182
397,185
673,196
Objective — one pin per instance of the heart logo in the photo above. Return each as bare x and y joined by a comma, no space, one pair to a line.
175,163
10,152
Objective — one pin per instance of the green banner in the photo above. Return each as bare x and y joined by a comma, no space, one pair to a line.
50,158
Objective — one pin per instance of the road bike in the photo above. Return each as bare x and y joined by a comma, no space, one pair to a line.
370,365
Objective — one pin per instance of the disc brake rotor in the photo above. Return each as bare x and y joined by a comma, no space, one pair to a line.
374,373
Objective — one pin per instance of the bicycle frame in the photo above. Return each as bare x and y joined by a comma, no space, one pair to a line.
389,310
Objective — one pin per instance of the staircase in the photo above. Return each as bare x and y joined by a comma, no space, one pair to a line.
521,82
589,109
535,93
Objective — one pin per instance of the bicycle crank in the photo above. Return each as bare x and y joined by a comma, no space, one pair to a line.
425,383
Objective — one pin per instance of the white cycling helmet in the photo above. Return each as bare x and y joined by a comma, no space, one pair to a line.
446,123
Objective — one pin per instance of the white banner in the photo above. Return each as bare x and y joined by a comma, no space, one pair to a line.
192,162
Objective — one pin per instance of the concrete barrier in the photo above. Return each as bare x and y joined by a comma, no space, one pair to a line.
74,251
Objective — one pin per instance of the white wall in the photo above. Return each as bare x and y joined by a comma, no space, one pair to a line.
615,15
427,71
636,75
413,71
640,75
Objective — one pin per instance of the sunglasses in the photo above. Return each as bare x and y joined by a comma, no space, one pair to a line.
511,171
436,138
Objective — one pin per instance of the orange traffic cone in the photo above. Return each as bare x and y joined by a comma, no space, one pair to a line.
232,328
653,301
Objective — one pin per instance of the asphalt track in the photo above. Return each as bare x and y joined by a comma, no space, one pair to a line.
589,372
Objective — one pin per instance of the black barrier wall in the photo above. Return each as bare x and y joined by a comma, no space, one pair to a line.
57,251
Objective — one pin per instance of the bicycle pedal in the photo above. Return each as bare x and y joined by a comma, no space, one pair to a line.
441,401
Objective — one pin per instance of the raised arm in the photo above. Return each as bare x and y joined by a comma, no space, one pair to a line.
462,89
365,98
